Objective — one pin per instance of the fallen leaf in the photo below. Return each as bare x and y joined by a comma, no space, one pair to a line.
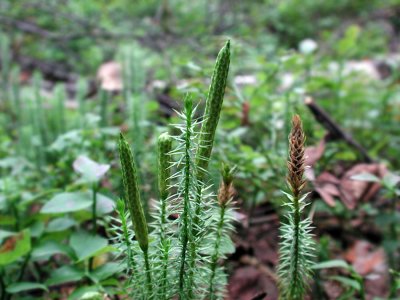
353,191
327,186
248,282
110,76
365,258
314,153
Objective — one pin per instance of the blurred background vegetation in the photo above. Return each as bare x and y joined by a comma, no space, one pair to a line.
75,73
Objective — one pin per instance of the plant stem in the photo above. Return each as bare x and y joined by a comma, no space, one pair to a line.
103,113
94,219
148,274
131,262
25,263
2,285
94,213
215,256
186,198
296,237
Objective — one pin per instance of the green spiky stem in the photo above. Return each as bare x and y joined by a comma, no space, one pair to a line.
148,275
132,193
125,235
296,238
214,258
133,202
211,116
164,174
186,197
212,111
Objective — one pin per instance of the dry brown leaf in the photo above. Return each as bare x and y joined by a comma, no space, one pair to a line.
353,191
248,282
314,153
365,258
326,185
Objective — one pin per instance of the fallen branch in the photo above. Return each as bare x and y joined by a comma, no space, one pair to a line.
335,132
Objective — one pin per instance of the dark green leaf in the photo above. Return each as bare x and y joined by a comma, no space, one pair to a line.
60,224
106,271
87,245
24,286
65,274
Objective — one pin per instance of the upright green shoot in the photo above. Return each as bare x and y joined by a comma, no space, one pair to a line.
297,245
133,202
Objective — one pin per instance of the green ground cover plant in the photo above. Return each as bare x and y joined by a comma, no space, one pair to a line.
183,258
64,233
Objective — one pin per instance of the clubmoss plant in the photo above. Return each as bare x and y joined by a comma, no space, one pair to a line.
297,245
185,242
211,117
164,179
133,202
224,227
213,109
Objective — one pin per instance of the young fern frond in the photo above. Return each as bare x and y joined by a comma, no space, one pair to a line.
297,245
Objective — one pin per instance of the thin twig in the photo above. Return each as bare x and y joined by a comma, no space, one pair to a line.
335,132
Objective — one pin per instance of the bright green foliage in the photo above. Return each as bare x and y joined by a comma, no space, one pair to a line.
132,193
164,170
213,108
297,245
296,252
223,228
182,254
132,199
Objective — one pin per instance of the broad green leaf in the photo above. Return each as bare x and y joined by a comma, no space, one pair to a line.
67,202
60,224
335,263
90,170
79,292
92,296
104,204
24,286
65,274
106,271
15,246
37,229
49,248
5,234
87,245
365,177
7,220
348,282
